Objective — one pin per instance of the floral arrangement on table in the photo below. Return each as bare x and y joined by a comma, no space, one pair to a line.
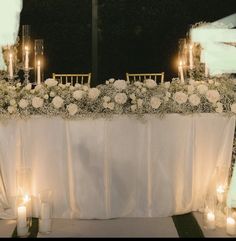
215,95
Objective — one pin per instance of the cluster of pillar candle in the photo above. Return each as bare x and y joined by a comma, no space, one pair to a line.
45,221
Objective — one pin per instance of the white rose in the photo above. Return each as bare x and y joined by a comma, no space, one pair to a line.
78,94
138,84
46,97
121,98
18,85
132,96
11,109
62,86
38,87
57,102
167,85
168,94
143,90
72,109
111,106
37,102
106,98
51,82
150,83
12,102
77,85
85,88
112,80
133,108
190,89
191,81
23,103
105,105
68,84
155,102
217,84
107,82
219,108
194,100
233,108
180,97
120,85
93,93
210,81
72,88
52,94
140,103
213,96
11,87
202,89
28,87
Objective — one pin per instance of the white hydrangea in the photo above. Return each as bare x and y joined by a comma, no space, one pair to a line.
37,102
180,97
121,98
23,103
93,93
78,94
12,102
202,89
213,96
57,102
62,86
139,103
133,108
120,85
11,109
219,107
77,85
233,108
51,82
194,100
52,94
72,109
155,102
107,98
28,87
150,83
111,106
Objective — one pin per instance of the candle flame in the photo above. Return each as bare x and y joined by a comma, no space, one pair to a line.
220,189
26,48
38,62
230,220
180,63
191,47
26,198
10,55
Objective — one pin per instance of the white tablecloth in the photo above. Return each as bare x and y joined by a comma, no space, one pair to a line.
122,167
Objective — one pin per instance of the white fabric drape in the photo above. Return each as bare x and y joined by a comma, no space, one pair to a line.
122,167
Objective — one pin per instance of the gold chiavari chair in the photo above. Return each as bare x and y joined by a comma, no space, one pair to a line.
84,79
142,77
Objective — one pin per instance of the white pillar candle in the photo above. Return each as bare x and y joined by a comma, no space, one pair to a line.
45,212
191,56
27,202
22,231
38,73
21,216
210,220
26,57
181,72
206,71
45,225
11,66
231,226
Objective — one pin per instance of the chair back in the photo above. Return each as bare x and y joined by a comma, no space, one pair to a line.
84,79
142,77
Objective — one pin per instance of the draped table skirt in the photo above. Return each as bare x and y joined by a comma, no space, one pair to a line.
123,167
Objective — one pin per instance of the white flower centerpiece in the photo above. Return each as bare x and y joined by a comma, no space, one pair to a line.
217,95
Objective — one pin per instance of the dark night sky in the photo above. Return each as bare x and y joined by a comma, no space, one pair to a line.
134,35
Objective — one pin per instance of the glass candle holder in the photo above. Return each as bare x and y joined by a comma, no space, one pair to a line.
26,45
231,221
45,216
39,60
209,216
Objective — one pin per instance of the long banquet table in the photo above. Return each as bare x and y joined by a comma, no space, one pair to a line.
123,167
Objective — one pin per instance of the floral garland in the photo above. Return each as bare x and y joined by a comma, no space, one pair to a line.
216,95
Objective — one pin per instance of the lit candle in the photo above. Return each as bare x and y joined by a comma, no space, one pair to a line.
26,57
210,220
181,72
11,66
27,202
231,226
38,73
21,216
220,193
191,56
